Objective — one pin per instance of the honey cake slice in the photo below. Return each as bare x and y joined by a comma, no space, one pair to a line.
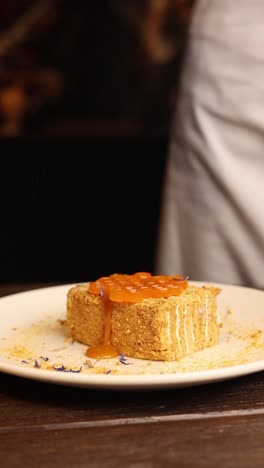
166,327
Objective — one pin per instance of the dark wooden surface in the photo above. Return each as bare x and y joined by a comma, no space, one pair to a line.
45,425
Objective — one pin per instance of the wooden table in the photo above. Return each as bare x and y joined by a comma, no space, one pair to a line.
216,425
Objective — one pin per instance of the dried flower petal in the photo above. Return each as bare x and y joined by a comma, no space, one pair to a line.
75,371
64,369
123,360
60,369
44,358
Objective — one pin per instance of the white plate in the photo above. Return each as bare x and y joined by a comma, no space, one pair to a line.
31,330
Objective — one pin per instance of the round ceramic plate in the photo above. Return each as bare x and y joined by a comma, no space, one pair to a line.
35,344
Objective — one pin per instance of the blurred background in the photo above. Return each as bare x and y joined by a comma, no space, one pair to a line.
86,99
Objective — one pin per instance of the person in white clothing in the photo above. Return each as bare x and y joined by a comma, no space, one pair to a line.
212,216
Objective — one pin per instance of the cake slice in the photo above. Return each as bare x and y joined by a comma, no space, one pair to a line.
149,317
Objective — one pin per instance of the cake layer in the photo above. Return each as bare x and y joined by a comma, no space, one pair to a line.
154,328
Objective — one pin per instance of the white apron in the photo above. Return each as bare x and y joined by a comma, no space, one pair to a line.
212,217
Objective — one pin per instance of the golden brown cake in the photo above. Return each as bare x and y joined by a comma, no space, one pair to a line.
156,328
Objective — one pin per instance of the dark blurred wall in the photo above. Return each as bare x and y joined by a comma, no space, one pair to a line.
74,209
108,60
86,95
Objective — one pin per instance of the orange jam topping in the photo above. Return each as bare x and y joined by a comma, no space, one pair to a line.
135,288
128,288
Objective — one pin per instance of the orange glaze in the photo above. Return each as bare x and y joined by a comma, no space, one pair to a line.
129,288
104,350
